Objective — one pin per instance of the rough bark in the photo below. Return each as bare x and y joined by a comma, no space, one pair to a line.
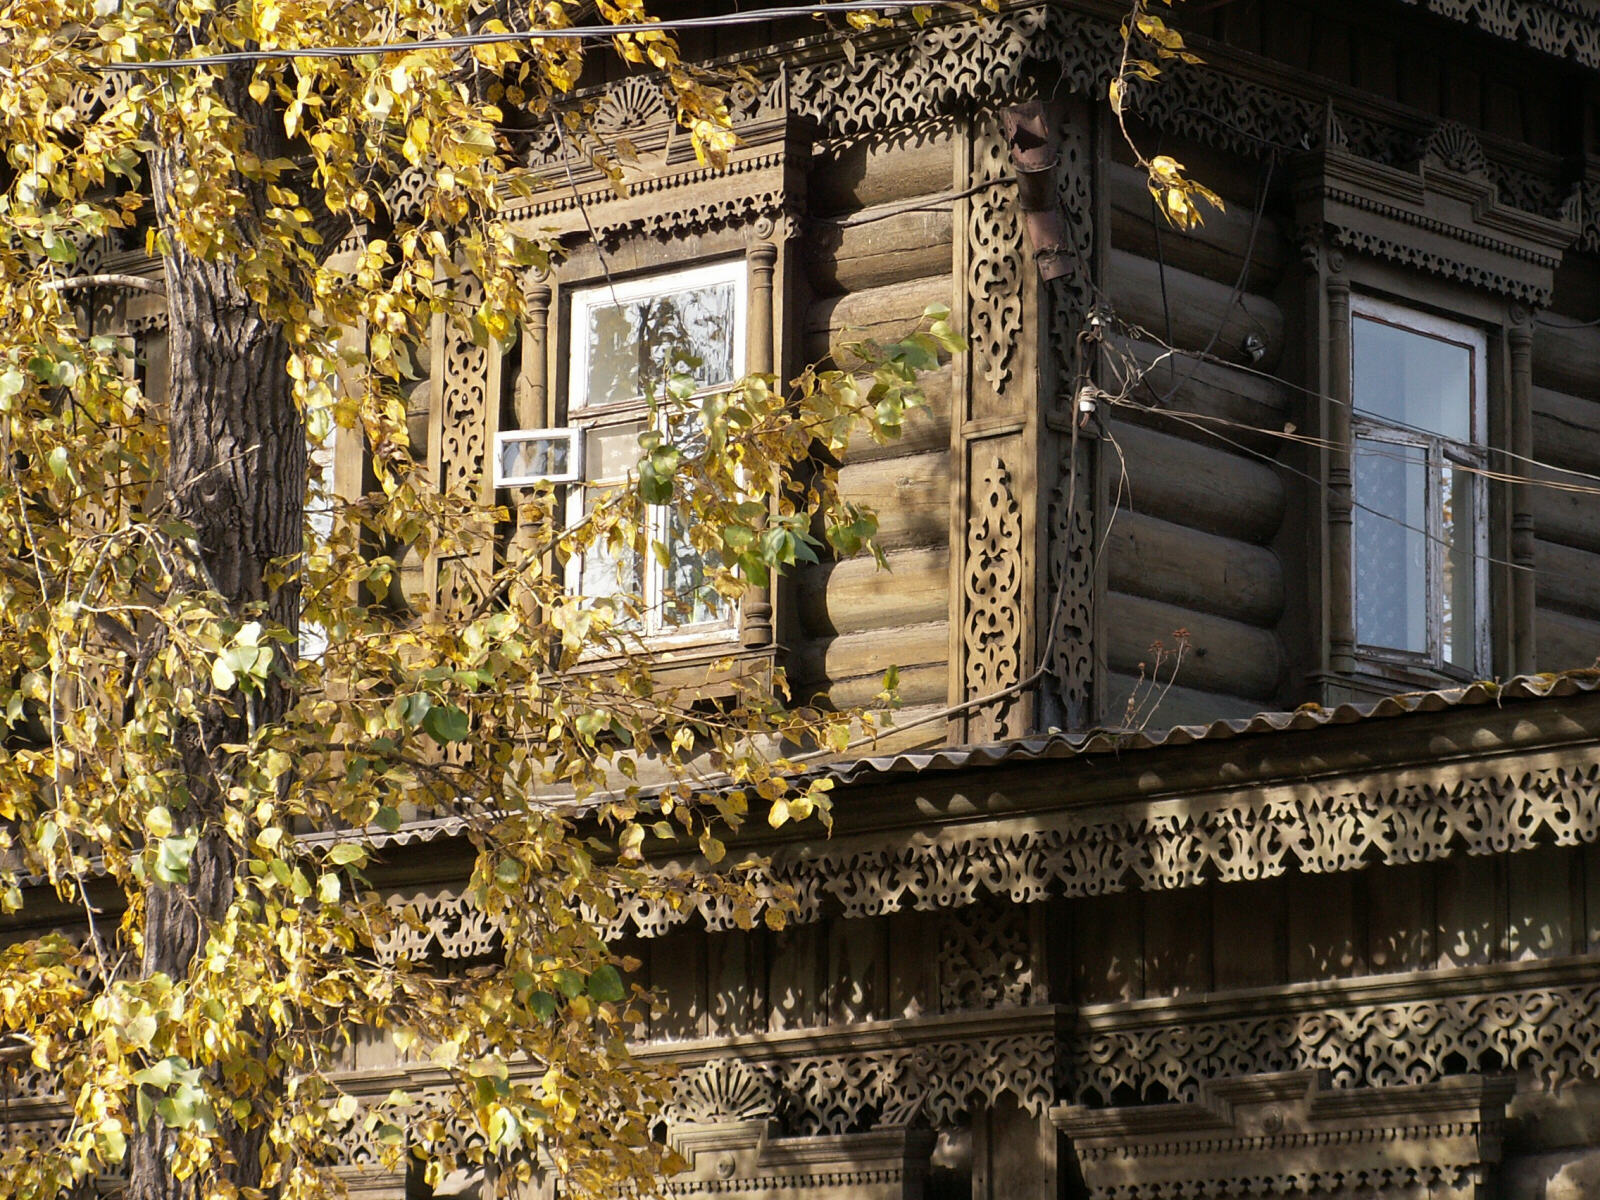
236,474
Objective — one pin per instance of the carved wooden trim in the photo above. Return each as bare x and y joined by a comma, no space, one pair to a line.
1443,216
1319,827
751,1155
1290,1134
995,256
1409,1029
1314,828
993,589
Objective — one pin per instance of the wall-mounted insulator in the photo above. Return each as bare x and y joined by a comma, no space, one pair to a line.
1036,153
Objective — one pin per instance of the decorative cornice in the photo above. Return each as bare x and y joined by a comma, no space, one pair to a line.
1559,27
1404,814
1288,1134
1376,1032
1443,216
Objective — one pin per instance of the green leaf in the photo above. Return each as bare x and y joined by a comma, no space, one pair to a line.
605,984
172,858
446,723
346,853
58,462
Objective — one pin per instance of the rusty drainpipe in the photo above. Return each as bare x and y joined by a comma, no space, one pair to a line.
1036,153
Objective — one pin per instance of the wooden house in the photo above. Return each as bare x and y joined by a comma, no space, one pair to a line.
1298,903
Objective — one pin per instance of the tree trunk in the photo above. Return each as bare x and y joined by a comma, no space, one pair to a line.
237,475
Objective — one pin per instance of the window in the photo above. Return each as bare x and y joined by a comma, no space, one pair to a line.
627,339
1418,386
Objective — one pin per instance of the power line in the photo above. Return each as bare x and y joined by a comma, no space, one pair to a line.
569,33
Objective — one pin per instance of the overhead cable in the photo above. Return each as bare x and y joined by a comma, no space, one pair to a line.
568,33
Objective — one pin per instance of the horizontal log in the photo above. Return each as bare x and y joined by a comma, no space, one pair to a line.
1214,249
1567,360
883,314
1569,518
1202,311
1566,430
910,494
919,652
856,595
888,246
895,167
921,685
1228,657
1153,707
1197,485
924,429
906,728
1563,642
1566,578
1159,560
1238,404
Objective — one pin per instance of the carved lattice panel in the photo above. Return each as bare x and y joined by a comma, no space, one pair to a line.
995,261
1548,1031
986,959
993,587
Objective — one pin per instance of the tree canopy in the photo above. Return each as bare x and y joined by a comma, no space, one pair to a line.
213,693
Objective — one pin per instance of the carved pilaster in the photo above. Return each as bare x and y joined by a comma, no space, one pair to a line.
762,259
1070,360
1522,556
993,587
1341,511
531,400
995,446
462,429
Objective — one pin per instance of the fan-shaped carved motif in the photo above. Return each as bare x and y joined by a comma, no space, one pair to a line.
724,1090
633,104
1455,147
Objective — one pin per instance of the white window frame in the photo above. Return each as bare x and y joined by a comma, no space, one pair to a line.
581,418
512,437
1437,450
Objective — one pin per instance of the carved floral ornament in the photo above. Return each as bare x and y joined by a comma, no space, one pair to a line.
1290,1134
1148,845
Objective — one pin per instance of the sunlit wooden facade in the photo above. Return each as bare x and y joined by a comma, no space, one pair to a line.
1108,935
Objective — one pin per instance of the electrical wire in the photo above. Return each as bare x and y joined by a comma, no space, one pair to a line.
568,33
1142,334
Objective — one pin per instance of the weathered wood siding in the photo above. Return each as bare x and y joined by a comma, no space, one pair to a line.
1464,911
1198,497
877,252
1566,438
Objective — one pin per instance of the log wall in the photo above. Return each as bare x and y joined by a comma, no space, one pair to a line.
1464,911
1198,498
877,251
1566,438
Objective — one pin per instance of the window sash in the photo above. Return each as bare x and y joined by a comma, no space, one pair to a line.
1450,468
636,411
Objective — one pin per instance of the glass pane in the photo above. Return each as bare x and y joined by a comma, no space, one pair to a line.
689,598
534,457
1460,590
632,347
1391,549
610,452
616,577
1413,379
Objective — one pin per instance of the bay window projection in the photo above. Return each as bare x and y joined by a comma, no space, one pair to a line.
1421,580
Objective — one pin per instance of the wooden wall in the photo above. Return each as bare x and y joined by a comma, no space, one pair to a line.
835,971
1566,434
871,268
1464,911
1198,497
